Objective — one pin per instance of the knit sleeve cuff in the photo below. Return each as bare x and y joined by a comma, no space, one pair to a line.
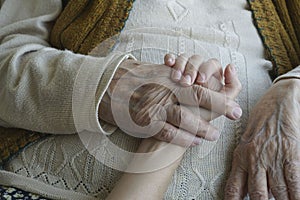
295,73
89,89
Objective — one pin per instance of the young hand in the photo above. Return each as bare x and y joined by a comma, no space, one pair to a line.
194,70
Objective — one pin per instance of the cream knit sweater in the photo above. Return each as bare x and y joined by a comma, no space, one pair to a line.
37,87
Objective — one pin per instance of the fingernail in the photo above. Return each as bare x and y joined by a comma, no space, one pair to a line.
187,80
237,112
232,68
176,75
171,60
202,77
197,141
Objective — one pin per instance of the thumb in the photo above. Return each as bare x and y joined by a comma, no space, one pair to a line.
233,85
169,60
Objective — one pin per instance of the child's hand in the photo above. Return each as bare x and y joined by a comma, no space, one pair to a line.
188,71
193,70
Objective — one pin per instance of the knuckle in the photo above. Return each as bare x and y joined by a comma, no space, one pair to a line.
183,115
196,57
258,195
176,114
215,62
240,159
292,174
232,192
191,69
279,190
183,57
180,63
237,154
166,134
230,106
202,95
157,113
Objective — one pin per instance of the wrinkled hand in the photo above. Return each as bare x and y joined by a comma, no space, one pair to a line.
156,99
268,156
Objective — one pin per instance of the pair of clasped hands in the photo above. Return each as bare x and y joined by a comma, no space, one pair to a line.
170,96
267,160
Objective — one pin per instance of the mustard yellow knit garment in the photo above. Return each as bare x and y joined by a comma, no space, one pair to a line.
12,140
84,24
278,22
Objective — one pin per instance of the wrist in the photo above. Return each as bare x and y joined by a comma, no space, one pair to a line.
153,155
288,80
124,67
105,111
129,64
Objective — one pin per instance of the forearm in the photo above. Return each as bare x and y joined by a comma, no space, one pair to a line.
38,88
148,186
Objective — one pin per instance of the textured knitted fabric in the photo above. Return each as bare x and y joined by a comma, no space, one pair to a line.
12,140
278,22
84,24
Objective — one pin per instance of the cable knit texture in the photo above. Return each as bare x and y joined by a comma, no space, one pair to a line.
84,24
278,22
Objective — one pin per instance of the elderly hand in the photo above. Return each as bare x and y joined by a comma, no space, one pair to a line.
154,100
268,156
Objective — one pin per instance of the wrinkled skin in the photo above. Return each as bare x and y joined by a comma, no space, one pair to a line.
157,101
268,156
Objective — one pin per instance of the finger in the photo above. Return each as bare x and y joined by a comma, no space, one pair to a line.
211,100
184,118
206,115
292,177
277,183
171,134
257,181
237,181
208,69
213,84
105,110
270,195
233,85
179,67
191,70
169,60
